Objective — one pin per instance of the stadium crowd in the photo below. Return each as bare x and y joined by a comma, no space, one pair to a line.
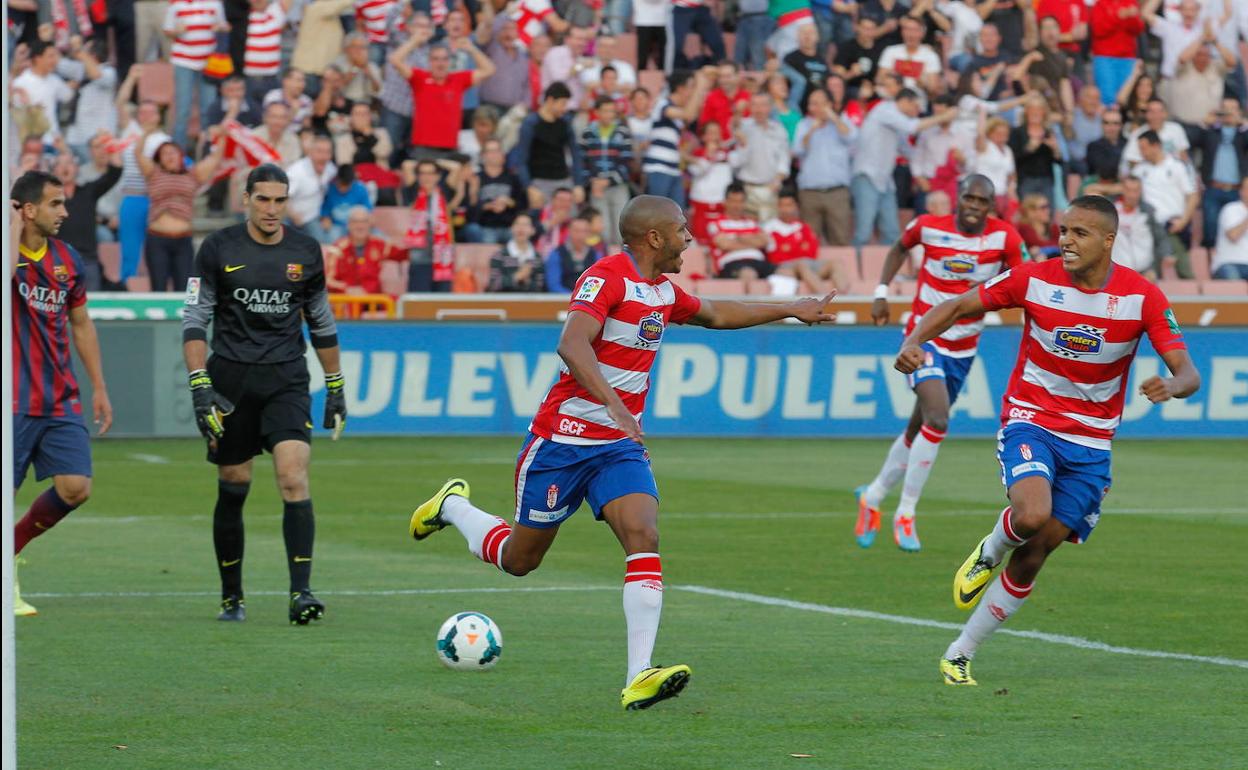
409,127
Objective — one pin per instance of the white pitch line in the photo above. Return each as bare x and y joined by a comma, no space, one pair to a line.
771,601
149,459
1069,641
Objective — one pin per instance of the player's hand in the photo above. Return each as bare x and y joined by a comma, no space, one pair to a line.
812,312
625,421
1156,389
909,359
211,408
335,404
102,410
879,312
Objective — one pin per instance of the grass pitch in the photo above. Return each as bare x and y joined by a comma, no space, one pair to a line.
126,666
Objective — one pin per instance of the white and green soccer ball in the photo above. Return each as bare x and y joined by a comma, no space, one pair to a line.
469,641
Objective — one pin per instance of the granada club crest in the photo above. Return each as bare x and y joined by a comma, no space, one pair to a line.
60,273
294,271
1025,451
552,496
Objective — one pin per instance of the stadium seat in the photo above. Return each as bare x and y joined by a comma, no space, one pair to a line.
721,287
1224,288
392,222
110,260
476,257
695,262
1180,288
760,287
684,282
626,48
653,81
156,82
872,262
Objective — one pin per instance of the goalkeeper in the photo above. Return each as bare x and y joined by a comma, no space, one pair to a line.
256,283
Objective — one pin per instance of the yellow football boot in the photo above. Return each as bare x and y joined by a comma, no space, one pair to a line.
653,685
21,607
427,519
971,578
957,671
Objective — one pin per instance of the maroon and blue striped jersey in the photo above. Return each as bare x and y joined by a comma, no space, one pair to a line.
46,286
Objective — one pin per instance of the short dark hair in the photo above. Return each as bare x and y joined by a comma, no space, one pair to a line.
29,187
588,213
557,90
39,47
636,91
602,101
1150,136
735,187
558,190
907,93
346,174
607,68
265,172
787,192
428,162
1101,205
678,78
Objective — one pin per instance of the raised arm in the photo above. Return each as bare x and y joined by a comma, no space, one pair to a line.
485,65
729,314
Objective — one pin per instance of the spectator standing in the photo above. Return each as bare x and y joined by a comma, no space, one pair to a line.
509,85
457,40
358,255
1048,62
754,27
710,171
1142,241
661,164
168,250
43,87
262,57
607,147
548,155
1016,19
437,96
495,197
1196,91
372,19
835,20
1035,149
650,22
143,136
309,180
396,92
319,39
884,133
430,237
640,119
764,157
991,54
80,227
915,63
726,101
1105,154
777,87
518,267
994,159
1156,119
887,17
192,26
823,144
793,248
694,16
1175,34
536,18
108,206
574,256
1231,260
361,77
1224,164
1115,27
856,59
804,67
932,150
1171,191
565,63
1086,127
293,94
737,240
95,110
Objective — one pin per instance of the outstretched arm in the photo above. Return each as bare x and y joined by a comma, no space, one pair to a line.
935,322
727,314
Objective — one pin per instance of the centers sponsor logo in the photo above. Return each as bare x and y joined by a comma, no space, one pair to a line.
1079,340
589,289
1025,451
552,496
294,271
1058,297
960,264
650,328
60,273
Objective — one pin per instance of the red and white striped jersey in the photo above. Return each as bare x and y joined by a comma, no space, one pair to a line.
952,264
199,20
371,16
790,240
263,56
529,16
1077,347
634,313
688,3
735,228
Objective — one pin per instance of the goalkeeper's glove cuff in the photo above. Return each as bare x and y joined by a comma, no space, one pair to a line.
334,381
199,379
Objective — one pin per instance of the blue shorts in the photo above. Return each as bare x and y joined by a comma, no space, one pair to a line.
58,446
552,479
938,365
1078,475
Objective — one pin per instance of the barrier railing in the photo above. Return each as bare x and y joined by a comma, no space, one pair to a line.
354,306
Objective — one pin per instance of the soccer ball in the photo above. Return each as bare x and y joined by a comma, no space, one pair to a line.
469,641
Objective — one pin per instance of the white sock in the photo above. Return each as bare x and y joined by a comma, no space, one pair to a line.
1001,600
1003,538
643,603
890,474
922,455
484,532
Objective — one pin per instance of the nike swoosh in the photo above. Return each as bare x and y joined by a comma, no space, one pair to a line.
22,264
230,563
965,597
232,268
300,559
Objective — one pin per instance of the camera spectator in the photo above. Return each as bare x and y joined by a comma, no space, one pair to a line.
548,155
1142,242
737,240
1231,259
607,147
763,156
1171,191
358,255
824,144
566,262
495,197
518,267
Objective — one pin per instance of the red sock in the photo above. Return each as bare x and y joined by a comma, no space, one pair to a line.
44,513
492,545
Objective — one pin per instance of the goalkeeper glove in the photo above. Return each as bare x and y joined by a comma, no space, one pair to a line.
335,404
211,407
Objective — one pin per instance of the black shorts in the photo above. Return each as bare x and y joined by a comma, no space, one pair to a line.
733,268
271,404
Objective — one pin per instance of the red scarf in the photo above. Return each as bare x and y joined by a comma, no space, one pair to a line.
443,235
240,143
60,21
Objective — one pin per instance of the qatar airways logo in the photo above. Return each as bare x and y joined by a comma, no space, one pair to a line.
43,299
264,300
